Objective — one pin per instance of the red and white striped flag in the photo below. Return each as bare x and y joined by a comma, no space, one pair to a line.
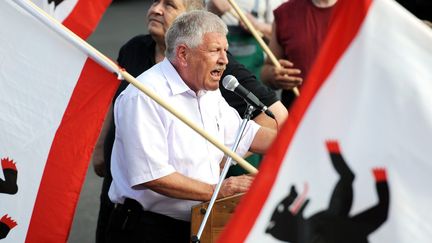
354,161
80,16
53,100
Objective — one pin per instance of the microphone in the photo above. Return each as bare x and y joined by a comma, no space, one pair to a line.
231,83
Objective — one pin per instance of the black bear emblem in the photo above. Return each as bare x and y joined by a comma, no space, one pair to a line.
56,2
6,224
333,225
8,186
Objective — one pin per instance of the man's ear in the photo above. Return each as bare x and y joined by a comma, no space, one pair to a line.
182,54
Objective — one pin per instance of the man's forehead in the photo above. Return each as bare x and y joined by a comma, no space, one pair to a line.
215,37
178,2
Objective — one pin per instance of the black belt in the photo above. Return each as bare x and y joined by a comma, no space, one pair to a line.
133,208
130,223
129,205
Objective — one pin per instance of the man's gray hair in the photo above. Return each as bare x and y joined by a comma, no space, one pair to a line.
189,29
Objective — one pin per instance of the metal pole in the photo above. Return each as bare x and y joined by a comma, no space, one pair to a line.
247,116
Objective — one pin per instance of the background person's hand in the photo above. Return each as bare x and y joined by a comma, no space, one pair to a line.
285,77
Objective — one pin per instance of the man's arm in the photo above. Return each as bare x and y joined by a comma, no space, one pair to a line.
280,112
98,157
176,185
263,28
285,77
262,140
218,7
263,93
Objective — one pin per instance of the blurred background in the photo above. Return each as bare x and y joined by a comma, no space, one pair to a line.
123,20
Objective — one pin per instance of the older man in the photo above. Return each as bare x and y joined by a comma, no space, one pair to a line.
160,166
141,53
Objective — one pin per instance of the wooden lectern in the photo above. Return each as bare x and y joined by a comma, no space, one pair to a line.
219,216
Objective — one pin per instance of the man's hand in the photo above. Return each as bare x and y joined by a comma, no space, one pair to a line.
218,7
235,184
263,29
98,159
285,77
99,167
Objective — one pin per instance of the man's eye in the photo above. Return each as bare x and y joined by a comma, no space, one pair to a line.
171,4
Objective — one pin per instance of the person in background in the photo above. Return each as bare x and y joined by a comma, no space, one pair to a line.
299,29
156,181
242,44
141,53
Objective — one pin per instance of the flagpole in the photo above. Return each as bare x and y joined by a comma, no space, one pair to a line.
108,64
257,36
234,13
53,23
248,114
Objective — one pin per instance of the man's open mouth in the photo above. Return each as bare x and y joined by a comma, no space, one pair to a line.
217,73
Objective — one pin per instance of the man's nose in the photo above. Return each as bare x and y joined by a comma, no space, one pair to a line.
223,58
157,7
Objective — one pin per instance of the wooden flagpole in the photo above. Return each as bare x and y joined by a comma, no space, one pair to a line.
234,13
107,63
255,33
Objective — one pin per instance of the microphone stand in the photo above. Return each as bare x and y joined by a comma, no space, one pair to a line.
228,163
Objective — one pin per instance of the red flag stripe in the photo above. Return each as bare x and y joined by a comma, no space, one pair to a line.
337,41
85,16
66,165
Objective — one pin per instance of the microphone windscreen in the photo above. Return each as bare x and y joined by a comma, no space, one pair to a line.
230,82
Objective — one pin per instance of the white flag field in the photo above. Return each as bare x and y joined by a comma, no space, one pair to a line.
80,16
354,161
53,100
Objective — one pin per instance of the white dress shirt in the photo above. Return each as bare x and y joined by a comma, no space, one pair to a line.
151,143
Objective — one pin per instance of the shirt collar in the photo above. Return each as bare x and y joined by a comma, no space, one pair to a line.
175,82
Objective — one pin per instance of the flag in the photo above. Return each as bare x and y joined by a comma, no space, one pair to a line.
80,16
53,100
354,161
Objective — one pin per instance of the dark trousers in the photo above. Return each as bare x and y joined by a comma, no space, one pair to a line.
105,209
129,223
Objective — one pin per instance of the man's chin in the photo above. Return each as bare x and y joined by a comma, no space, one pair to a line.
155,30
213,87
216,79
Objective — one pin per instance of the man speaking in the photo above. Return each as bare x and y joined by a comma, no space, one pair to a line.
160,166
